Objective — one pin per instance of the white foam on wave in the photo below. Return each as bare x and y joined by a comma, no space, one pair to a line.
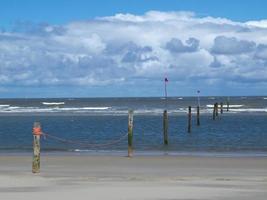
53,103
16,109
96,108
4,105
148,111
84,108
224,106
110,110
251,110
265,98
82,150
13,107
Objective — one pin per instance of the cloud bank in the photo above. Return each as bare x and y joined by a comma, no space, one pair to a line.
136,52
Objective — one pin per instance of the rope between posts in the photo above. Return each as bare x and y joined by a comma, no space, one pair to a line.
63,140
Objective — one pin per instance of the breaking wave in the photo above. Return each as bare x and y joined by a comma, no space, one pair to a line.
230,106
53,103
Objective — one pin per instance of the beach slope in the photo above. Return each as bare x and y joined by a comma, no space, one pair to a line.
141,177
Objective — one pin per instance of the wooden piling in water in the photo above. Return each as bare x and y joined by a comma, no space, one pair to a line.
221,107
165,127
130,133
37,132
214,111
198,116
227,105
189,119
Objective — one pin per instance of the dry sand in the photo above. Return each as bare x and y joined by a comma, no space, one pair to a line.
143,177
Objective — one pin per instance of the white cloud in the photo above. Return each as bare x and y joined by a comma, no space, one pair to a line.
260,23
230,45
176,46
123,48
151,16
261,52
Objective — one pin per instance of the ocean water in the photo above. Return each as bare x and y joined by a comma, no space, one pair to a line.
99,124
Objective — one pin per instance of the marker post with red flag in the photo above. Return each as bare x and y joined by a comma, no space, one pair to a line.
165,90
198,98
166,81
165,115
198,108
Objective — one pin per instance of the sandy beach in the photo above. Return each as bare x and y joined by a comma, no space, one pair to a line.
141,177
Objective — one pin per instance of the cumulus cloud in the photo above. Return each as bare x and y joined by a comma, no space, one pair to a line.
176,46
135,49
216,63
260,23
261,52
231,45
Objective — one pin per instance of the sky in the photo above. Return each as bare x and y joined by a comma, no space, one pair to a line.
119,48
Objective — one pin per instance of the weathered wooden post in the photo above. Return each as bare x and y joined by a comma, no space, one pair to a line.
214,111
37,132
130,133
198,116
165,127
217,109
221,107
189,119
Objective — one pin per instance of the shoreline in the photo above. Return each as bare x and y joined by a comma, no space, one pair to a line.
118,153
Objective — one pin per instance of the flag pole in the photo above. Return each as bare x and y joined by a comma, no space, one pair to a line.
166,93
165,114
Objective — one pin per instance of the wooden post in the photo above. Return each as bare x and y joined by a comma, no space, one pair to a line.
189,119
130,133
214,111
36,147
165,127
198,116
221,107
227,105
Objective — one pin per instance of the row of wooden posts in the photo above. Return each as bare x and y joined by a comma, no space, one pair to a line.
37,132
165,123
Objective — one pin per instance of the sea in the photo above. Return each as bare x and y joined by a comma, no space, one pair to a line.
99,125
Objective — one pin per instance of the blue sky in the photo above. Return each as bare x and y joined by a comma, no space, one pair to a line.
86,48
64,11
